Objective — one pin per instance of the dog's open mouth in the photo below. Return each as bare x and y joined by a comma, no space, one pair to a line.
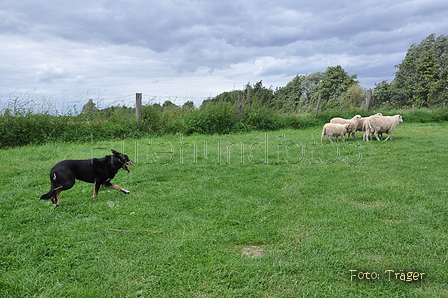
124,166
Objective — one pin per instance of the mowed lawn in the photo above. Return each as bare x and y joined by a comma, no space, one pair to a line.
275,214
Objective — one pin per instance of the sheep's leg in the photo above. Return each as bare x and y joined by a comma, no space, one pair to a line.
376,135
389,137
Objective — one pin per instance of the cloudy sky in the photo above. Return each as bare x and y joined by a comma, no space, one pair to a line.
69,51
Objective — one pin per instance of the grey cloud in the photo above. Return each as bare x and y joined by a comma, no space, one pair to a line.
49,73
235,40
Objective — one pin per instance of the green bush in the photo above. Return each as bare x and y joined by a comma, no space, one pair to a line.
173,120
23,130
151,119
41,128
425,115
212,118
263,118
304,121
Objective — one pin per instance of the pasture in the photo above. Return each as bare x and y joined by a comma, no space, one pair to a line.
274,214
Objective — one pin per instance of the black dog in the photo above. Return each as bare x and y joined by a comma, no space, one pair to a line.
95,170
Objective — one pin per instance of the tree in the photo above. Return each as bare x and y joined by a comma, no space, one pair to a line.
189,105
167,104
334,83
427,85
297,95
89,107
261,95
353,98
405,79
228,96
309,85
287,98
382,93
421,76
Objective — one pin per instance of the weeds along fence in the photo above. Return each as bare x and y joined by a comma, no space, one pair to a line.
32,118
24,103
30,121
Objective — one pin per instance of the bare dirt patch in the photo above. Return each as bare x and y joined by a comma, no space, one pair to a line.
253,251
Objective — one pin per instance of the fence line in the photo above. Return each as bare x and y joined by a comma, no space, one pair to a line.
177,100
59,105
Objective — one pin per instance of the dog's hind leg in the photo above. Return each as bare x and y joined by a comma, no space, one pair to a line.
55,199
109,185
60,181
53,195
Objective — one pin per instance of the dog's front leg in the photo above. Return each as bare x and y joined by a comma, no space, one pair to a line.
96,188
116,187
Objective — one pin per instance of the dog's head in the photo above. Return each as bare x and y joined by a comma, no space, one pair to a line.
124,159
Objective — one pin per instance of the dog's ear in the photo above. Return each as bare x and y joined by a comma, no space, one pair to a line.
114,152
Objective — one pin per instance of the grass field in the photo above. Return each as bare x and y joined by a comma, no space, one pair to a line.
274,214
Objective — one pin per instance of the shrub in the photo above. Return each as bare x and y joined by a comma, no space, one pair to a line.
426,115
304,121
173,121
212,118
40,128
263,118
151,119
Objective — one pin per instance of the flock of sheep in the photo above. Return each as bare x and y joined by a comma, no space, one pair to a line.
370,126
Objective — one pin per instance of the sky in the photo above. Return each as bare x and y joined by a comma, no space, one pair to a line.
58,52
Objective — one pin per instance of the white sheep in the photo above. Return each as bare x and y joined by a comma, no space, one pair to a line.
380,124
361,122
353,124
367,131
361,125
331,130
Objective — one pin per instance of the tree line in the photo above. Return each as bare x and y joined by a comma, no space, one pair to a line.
420,81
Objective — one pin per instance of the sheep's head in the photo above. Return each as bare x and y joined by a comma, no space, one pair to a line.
347,126
400,118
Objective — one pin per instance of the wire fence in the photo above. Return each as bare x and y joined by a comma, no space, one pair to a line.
61,105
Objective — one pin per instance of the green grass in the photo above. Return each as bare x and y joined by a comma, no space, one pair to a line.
228,224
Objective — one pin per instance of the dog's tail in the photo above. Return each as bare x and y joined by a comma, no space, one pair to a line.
48,195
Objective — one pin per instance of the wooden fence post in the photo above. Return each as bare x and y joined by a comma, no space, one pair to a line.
239,108
319,98
368,99
138,105
249,100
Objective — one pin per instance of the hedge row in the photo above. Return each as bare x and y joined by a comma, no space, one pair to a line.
212,118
